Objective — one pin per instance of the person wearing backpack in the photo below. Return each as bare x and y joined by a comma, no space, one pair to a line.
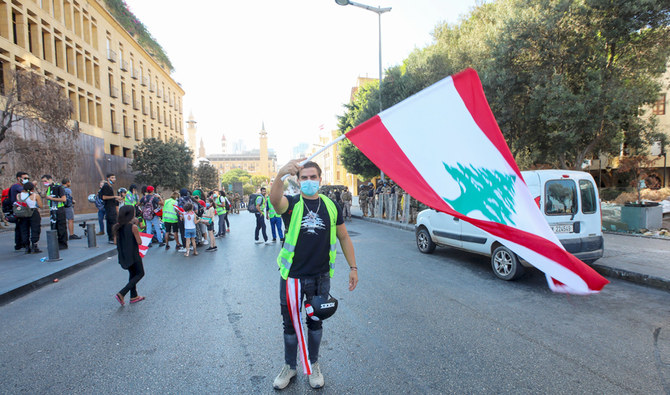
30,226
100,205
221,208
150,204
55,194
69,208
261,204
21,179
107,195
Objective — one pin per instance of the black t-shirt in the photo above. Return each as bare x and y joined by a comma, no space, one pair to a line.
110,204
313,245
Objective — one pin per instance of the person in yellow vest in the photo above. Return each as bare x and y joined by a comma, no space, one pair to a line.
306,262
171,220
275,222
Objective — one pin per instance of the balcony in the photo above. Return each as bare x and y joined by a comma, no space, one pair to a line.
126,99
111,55
113,92
136,105
123,65
134,74
144,81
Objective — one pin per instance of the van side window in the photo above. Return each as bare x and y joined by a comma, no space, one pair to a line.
561,197
588,196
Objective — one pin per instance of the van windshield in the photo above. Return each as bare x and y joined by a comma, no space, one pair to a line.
588,196
561,197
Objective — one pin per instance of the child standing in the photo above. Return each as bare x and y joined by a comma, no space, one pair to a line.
127,237
208,219
190,219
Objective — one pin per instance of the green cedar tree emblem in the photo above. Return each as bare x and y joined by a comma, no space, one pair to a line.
489,191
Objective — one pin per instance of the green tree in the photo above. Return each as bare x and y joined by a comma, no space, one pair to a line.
259,181
206,176
235,175
249,189
360,109
568,79
165,164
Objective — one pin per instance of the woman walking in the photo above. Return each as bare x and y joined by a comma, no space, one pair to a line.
127,237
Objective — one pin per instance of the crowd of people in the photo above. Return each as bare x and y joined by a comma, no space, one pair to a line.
187,217
22,201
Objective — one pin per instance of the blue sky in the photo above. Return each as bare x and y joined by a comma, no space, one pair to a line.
289,64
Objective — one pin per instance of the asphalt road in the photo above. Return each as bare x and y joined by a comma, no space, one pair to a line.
438,323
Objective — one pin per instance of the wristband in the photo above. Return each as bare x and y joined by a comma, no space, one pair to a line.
353,268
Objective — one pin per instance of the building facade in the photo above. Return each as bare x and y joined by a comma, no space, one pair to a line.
119,92
262,161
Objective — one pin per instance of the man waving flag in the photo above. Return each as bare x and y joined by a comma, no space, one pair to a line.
443,146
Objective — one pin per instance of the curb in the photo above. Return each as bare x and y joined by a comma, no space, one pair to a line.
636,278
41,282
626,275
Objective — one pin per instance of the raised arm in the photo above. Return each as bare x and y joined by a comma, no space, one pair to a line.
277,197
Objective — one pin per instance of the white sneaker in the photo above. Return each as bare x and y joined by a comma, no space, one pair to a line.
316,378
284,377
259,242
181,249
205,242
268,243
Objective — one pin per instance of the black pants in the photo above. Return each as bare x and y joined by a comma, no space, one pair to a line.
260,225
61,227
181,232
135,274
18,243
30,229
310,287
111,221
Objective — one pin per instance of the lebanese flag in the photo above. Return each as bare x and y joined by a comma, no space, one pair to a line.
443,146
146,240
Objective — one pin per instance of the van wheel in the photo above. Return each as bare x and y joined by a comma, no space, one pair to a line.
505,264
424,242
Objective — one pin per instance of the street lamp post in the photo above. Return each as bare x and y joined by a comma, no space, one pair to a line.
379,11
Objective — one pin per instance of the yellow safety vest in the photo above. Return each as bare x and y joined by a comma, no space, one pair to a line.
221,205
285,257
169,214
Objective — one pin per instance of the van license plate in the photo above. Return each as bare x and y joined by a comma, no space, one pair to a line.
563,228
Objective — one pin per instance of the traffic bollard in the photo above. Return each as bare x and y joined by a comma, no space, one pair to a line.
90,233
52,246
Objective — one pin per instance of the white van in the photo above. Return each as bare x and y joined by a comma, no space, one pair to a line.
569,201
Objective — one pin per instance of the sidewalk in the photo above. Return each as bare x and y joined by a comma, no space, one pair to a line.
21,273
638,259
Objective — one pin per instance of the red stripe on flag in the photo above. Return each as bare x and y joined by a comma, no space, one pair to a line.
470,90
369,137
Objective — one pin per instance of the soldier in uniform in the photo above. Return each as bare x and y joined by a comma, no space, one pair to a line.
236,203
385,195
363,199
371,200
346,200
